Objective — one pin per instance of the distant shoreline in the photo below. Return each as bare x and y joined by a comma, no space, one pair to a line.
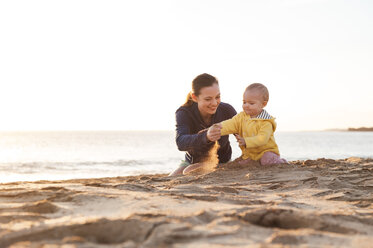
350,129
365,129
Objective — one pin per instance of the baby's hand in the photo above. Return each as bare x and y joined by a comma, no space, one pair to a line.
240,140
213,133
217,125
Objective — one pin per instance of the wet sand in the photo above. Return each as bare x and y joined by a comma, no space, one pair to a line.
313,203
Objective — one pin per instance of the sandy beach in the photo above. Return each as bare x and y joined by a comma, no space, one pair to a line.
312,203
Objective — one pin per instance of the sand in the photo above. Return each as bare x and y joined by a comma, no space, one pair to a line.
313,203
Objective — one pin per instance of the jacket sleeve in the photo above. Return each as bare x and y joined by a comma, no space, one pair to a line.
262,137
230,126
186,141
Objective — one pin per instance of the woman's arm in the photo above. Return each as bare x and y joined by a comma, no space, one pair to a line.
184,139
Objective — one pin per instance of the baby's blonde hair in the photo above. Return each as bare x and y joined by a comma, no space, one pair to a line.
261,88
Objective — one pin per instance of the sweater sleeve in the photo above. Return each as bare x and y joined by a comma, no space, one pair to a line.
229,126
261,138
186,141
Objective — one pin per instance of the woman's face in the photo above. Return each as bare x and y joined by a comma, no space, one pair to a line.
208,100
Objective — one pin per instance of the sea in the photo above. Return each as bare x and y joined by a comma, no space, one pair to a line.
32,156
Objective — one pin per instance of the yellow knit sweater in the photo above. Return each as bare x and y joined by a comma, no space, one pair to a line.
257,132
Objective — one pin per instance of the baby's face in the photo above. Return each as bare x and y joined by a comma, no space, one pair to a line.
253,102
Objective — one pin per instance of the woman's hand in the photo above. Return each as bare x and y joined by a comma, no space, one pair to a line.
213,133
240,140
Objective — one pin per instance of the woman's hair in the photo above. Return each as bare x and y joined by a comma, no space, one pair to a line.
201,81
261,88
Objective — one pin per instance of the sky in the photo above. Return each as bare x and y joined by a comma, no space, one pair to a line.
128,65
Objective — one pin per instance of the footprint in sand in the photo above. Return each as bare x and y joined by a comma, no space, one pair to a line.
290,219
102,231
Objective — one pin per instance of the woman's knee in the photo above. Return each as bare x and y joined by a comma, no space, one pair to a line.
180,169
192,167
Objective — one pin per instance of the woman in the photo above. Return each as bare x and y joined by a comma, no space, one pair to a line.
201,110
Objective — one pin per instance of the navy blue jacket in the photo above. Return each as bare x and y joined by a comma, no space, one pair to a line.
189,122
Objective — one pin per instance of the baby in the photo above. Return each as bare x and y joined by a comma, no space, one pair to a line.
254,128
